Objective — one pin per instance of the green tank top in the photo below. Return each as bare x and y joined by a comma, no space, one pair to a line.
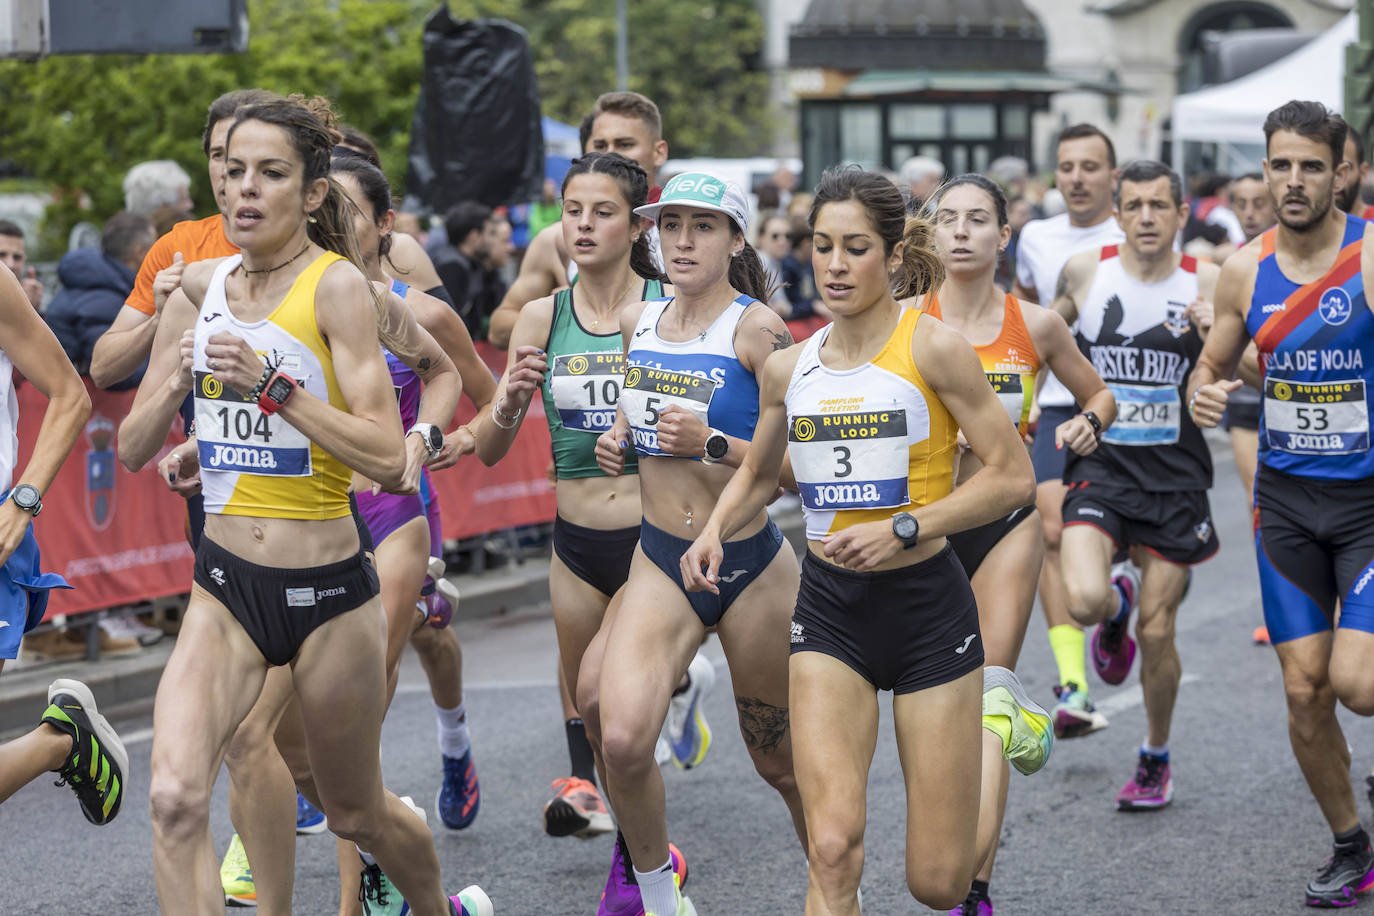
582,387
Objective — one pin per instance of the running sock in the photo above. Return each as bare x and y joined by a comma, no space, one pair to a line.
1067,643
1123,601
979,891
1355,837
453,730
580,751
658,890
1162,752
365,856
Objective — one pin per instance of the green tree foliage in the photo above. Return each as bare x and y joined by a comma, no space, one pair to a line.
79,122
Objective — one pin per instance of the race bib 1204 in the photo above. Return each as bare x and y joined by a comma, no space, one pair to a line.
1145,415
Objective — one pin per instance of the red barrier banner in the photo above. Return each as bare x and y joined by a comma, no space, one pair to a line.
118,537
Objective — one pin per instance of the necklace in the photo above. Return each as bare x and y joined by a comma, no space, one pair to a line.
704,331
267,270
615,304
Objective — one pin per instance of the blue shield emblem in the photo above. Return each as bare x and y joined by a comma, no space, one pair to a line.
100,472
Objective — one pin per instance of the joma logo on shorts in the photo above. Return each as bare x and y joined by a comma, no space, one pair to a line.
330,592
242,456
833,494
1364,580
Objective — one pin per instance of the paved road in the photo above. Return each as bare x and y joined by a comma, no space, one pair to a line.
1241,837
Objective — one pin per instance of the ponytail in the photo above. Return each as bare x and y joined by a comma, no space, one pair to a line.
642,260
747,274
921,270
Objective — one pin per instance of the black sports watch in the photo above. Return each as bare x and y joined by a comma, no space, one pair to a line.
716,447
906,528
1093,421
27,497
431,435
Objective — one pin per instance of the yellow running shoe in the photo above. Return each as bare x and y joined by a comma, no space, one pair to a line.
237,877
1022,723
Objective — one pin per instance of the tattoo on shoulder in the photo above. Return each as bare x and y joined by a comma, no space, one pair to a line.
424,364
762,724
780,341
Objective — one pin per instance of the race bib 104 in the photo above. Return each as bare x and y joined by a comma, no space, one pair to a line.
1145,415
1316,418
234,435
856,460
585,389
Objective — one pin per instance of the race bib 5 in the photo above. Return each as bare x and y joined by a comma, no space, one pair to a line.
648,392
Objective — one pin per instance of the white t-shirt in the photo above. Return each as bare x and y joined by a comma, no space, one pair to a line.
1042,251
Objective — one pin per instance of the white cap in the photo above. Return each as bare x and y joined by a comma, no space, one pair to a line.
702,192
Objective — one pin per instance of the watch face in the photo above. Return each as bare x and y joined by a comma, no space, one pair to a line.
905,526
25,496
436,438
278,390
717,446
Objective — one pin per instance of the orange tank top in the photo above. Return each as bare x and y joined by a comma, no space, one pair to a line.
1010,362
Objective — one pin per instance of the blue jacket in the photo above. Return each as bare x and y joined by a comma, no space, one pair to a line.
94,287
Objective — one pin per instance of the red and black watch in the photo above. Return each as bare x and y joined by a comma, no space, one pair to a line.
275,394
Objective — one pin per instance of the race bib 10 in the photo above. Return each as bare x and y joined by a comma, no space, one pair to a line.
585,389
853,460
1316,418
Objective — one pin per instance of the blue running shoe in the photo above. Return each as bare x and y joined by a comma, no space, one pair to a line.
688,734
459,796
309,819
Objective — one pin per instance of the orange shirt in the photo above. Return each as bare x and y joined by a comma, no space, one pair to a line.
1010,362
197,240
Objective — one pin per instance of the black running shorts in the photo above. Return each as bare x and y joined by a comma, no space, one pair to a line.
973,546
279,608
901,629
1176,526
601,558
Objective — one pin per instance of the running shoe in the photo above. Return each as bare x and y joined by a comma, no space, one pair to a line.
621,897
377,894
98,766
471,901
439,606
1074,715
687,732
1031,738
459,795
1348,872
684,907
128,626
576,809
236,877
972,906
1151,787
309,819
1113,648
1261,636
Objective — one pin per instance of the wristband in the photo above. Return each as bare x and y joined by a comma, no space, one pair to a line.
256,391
496,416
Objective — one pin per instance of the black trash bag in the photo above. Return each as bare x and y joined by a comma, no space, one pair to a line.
476,133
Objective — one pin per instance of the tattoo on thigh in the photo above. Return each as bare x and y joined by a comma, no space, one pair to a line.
762,724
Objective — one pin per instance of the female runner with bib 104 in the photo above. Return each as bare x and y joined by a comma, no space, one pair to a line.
868,410
291,398
689,402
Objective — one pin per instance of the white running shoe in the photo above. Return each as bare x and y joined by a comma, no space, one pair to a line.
686,729
127,626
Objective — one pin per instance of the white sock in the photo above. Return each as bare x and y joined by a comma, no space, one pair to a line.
365,856
1161,751
658,890
453,730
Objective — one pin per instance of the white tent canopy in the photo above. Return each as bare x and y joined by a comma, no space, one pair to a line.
1234,112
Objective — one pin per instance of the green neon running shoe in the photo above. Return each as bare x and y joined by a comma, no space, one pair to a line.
236,877
98,764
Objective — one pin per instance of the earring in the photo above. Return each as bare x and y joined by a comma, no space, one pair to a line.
311,219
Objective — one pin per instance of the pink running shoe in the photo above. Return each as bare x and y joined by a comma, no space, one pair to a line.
973,907
1151,787
621,894
1113,648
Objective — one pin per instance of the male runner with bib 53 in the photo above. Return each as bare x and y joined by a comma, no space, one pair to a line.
1298,290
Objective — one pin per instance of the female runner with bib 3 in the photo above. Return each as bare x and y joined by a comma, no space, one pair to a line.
689,403
868,410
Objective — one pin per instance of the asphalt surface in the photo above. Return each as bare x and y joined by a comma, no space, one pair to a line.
1242,836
